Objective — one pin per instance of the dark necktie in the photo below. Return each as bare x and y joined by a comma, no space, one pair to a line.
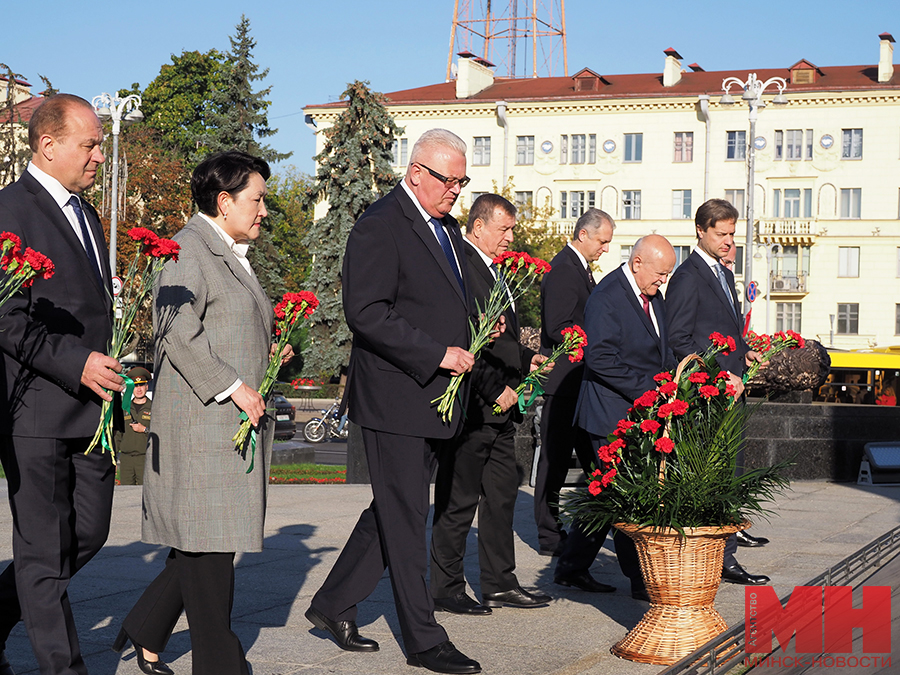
591,282
646,300
75,203
444,241
723,280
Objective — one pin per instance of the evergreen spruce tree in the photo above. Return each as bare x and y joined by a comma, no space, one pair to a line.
354,170
239,118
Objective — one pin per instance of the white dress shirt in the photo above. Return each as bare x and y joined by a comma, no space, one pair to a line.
428,218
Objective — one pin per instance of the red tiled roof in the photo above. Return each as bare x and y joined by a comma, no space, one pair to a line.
18,81
23,110
642,85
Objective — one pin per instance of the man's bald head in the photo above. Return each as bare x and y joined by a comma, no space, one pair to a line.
652,261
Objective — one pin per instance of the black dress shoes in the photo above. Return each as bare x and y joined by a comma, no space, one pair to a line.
748,540
735,574
461,604
345,633
5,668
157,667
584,581
552,551
444,658
515,597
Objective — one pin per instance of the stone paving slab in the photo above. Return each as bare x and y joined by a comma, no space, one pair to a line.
813,526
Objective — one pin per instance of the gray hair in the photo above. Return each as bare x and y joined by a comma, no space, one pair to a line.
591,220
435,140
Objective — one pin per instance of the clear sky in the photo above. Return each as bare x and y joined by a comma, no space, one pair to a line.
314,48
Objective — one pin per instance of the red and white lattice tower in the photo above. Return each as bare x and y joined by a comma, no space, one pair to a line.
524,38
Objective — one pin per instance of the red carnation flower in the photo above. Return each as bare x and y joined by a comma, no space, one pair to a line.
674,409
664,445
595,488
699,377
164,249
650,426
731,345
730,390
668,388
723,375
608,477
624,425
143,235
647,399
663,377
717,339
708,391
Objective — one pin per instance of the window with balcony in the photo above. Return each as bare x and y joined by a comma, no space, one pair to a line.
789,269
631,204
564,149
634,147
524,149
851,143
578,148
481,151
577,199
848,261
851,202
848,318
592,149
681,205
684,146
787,316
736,145
524,201
736,199
399,152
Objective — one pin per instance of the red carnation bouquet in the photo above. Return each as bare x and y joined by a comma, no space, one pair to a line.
671,462
20,268
151,254
288,312
516,271
768,346
573,344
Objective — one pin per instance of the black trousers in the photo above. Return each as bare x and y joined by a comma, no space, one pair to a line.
201,584
559,436
61,501
390,534
581,548
476,472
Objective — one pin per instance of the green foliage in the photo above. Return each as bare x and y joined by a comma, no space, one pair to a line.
178,102
238,115
354,171
534,235
288,222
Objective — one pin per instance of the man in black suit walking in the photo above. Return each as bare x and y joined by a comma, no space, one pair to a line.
701,299
627,344
52,339
564,292
478,470
406,300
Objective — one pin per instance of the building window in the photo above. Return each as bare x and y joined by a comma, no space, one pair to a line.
897,320
563,149
681,205
399,150
848,319
736,199
476,195
524,201
851,147
807,202
848,261
787,316
634,147
794,143
563,204
591,199
898,262
578,148
851,199
481,153
809,144
684,146
524,149
577,198
737,145
624,253
681,254
779,145
631,204
592,149
738,261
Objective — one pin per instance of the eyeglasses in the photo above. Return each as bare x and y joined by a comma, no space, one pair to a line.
449,183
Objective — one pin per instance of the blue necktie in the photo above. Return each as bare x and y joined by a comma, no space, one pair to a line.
444,241
720,272
75,203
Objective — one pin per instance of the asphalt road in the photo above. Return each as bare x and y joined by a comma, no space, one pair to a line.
328,453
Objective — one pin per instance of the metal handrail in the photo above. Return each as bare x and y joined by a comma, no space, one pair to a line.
725,651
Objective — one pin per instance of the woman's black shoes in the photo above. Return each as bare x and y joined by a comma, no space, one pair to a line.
157,667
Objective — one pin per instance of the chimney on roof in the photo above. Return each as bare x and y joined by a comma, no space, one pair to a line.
472,76
696,68
672,69
886,58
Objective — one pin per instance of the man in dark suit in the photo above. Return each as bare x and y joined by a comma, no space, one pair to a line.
627,344
406,301
701,300
564,292
52,340
478,470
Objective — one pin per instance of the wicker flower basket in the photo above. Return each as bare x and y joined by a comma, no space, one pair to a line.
682,575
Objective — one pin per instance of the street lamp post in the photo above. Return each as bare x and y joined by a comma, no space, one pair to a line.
753,91
121,111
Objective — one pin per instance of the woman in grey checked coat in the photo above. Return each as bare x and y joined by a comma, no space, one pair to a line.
213,326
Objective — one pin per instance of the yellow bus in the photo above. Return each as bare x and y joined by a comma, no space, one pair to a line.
867,376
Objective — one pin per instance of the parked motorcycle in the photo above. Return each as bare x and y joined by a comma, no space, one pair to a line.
328,425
